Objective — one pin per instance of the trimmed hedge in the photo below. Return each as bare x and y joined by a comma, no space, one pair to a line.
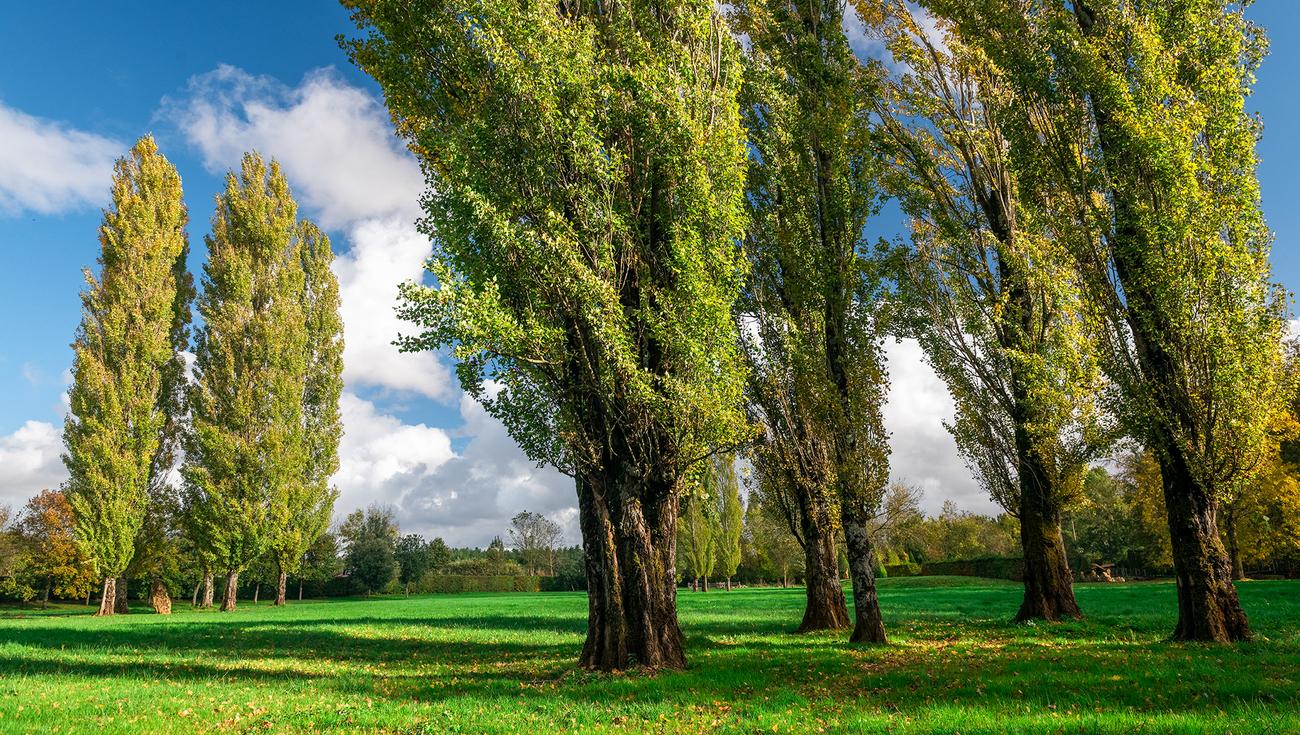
479,583
993,567
904,569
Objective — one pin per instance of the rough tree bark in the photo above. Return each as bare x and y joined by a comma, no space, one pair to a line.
229,602
629,545
1234,549
159,598
194,600
1208,607
106,603
825,608
1049,586
868,625
121,605
207,590
281,586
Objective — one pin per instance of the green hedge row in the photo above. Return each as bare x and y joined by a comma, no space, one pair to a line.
479,583
905,569
995,568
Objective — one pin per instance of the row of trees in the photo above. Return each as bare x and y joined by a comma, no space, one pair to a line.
256,414
651,237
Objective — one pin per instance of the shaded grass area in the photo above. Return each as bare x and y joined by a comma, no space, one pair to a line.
504,663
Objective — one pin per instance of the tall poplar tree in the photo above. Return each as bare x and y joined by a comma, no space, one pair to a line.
811,314
991,295
585,164
133,327
731,517
246,447
1134,116
301,511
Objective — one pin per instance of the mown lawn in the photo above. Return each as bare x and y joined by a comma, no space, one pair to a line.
504,664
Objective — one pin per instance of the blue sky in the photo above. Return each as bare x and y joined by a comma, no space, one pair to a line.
210,80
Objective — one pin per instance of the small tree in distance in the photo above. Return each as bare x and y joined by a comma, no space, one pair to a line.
535,536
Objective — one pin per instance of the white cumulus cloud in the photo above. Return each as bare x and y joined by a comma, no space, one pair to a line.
30,461
47,167
335,141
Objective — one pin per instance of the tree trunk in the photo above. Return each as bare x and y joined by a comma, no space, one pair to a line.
121,605
728,584
704,584
629,545
1049,589
89,591
1208,608
159,597
280,587
207,590
825,608
300,589
106,603
1234,550
194,601
257,591
229,602
45,598
868,625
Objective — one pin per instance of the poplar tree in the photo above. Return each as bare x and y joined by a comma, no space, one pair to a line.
247,448
697,533
1134,119
301,511
991,294
810,318
731,517
585,165
133,327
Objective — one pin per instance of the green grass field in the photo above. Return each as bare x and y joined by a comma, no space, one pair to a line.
505,664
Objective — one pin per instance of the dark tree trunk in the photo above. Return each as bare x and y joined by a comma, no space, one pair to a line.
1049,588
868,625
45,598
1208,608
207,590
280,587
230,601
121,605
89,591
629,545
106,603
825,608
1234,549
704,584
159,598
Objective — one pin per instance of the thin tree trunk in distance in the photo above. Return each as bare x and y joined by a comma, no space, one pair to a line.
121,605
45,598
107,604
194,601
229,602
300,589
280,588
1234,550
257,590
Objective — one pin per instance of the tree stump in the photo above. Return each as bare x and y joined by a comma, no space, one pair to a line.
159,598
